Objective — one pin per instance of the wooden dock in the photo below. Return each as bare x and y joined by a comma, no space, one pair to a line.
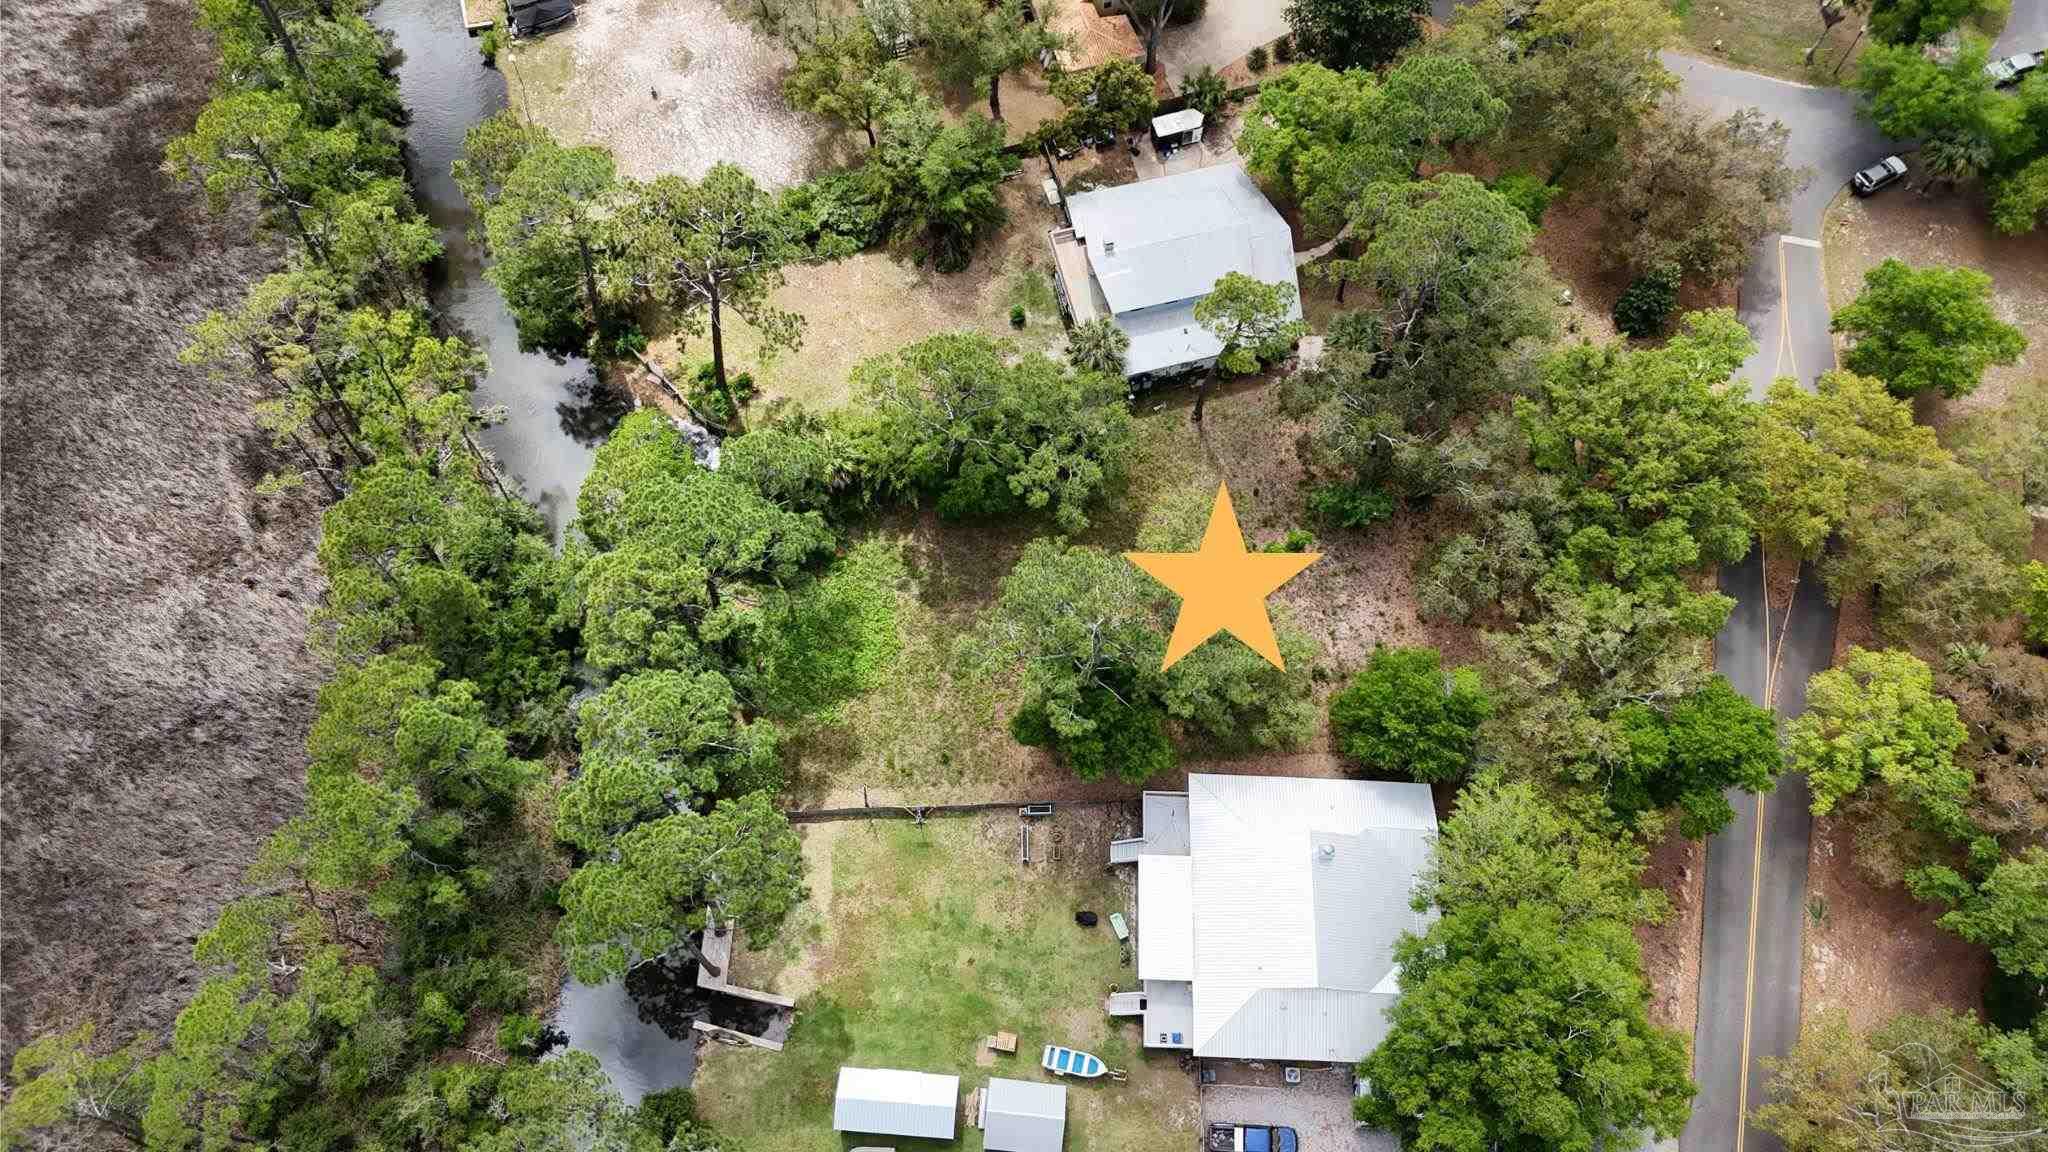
478,15
728,1036
715,964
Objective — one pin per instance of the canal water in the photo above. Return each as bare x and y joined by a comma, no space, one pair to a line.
555,413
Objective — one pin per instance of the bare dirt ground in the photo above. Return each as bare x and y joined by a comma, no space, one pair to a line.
670,86
152,608
1949,229
1671,950
1872,950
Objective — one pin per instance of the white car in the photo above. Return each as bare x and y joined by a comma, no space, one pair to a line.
2012,69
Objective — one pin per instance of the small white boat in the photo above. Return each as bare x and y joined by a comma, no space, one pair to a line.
1067,1062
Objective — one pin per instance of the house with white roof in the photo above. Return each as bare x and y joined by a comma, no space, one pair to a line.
1268,907
1145,253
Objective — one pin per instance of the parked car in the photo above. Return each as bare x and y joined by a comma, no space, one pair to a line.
2014,68
1889,170
1252,1138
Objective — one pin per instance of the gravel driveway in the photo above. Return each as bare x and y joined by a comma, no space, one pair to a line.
1319,1110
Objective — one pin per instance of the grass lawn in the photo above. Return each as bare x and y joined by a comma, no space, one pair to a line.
916,943
1768,36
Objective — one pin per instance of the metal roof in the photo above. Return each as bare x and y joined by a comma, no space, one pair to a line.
1299,889
1170,239
1023,1116
1166,919
894,1102
1185,120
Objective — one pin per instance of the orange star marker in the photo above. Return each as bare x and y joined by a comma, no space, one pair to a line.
1223,588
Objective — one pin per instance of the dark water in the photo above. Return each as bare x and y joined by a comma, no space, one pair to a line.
555,411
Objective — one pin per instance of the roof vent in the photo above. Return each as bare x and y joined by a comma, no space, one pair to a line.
1328,850
1109,247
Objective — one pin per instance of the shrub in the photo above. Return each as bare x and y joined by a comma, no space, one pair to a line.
1349,505
1016,315
707,397
1129,739
1098,346
623,339
1205,91
1256,59
1296,540
1647,303
1529,193
1404,713
490,42
1283,49
2034,602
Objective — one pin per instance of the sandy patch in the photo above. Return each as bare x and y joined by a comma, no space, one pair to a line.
1671,949
670,86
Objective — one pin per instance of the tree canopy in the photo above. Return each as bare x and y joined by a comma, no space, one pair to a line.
1405,713
1926,329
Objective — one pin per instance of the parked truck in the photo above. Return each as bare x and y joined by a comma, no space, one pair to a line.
1251,1138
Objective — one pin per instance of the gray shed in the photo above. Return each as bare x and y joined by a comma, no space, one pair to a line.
1023,1116
892,1102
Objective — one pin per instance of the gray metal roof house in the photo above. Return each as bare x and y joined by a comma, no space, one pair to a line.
893,1102
1146,252
1268,907
1023,1116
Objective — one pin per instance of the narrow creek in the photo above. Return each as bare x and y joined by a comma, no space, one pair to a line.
556,412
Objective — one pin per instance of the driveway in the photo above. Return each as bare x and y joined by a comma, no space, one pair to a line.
2026,29
1318,1109
1227,30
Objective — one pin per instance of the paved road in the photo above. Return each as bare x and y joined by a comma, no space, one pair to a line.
2026,30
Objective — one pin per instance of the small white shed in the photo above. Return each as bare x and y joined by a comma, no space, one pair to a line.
1177,129
1023,1116
893,1102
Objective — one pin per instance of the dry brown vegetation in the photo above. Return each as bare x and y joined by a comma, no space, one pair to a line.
153,609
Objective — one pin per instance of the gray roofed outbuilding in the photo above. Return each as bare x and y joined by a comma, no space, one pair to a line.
1023,1116
893,1102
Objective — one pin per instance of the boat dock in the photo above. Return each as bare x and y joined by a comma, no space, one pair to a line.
478,15
715,962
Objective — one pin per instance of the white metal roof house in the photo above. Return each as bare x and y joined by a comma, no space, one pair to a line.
893,1102
1146,252
1023,1116
1268,907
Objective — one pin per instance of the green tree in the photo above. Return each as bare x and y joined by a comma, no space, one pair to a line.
1435,102
258,143
1252,320
1206,91
1576,74
1355,33
973,44
1523,1021
1735,182
701,248
1877,717
2007,913
1110,97
56,1080
1926,329
1915,22
2019,200
1655,451
837,77
656,741
1461,303
1319,137
1692,753
1098,346
1818,450
547,225
1819,1087
942,178
1404,713
991,431
739,864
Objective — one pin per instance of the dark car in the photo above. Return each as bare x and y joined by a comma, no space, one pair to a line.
1251,1138
1887,171
2012,69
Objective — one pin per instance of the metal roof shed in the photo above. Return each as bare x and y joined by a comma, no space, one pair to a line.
893,1102
1023,1116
